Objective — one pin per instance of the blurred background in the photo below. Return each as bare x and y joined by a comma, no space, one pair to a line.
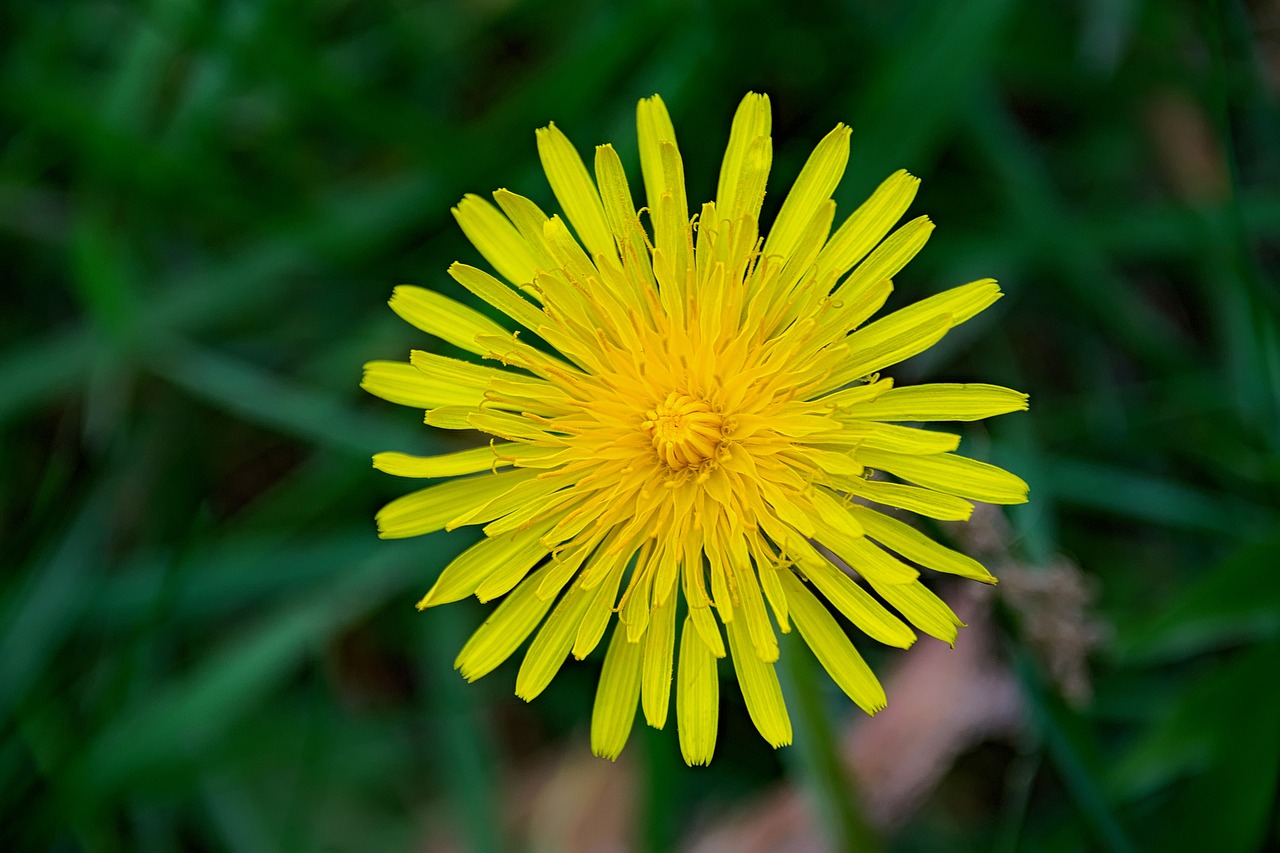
203,209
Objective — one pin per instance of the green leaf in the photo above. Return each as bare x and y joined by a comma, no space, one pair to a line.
1219,747
1237,600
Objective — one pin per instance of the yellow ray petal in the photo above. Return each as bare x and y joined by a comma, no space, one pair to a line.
857,605
523,492
402,383
759,683
746,159
497,239
428,510
450,464
954,475
596,617
901,439
624,221
499,296
449,417
550,648
940,402
917,547
697,698
443,317
502,633
922,608
878,346
832,647
763,640
843,535
663,171
926,502
818,179
575,190
867,225
889,257
462,577
659,649
619,688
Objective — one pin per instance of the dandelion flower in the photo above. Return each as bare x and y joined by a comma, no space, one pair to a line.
688,425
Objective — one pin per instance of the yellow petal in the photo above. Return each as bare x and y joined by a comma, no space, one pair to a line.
454,371
659,649
912,330
917,547
449,417
954,475
857,605
502,633
705,621
883,343
850,310
551,646
901,439
615,195
751,604
922,608
519,550
428,510
858,394
959,303
404,384
497,239
443,317
491,457
843,535
831,646
774,594
697,698
529,220
624,221
800,259
867,225
529,490
516,566
817,180
889,257
448,464
663,171
565,565
619,688
596,618
759,683
498,295
575,190
508,425
940,402
875,564
926,502
746,160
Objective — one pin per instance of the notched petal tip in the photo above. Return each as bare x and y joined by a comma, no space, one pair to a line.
608,753
397,294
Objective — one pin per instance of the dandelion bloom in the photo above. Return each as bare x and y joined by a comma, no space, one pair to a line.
697,433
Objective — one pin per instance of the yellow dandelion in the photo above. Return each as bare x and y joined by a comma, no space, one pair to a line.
698,434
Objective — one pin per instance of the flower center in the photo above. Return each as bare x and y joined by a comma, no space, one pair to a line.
685,431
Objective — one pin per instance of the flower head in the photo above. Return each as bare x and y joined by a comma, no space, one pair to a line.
696,435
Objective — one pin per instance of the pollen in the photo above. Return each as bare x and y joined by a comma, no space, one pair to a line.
685,431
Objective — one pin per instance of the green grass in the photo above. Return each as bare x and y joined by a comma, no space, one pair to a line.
203,208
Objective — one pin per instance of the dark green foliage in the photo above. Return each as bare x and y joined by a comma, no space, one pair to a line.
203,207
